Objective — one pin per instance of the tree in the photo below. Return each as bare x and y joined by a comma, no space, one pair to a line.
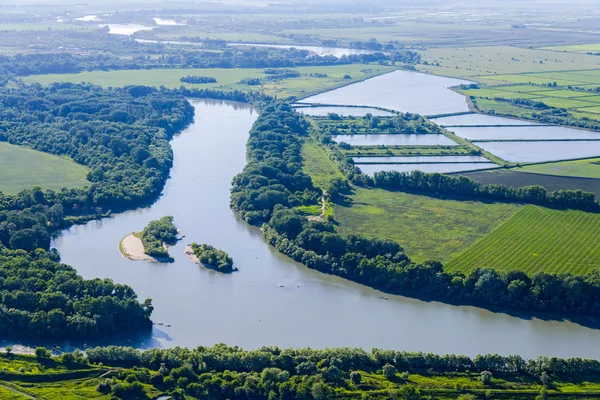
486,377
355,377
545,379
42,353
389,371
8,350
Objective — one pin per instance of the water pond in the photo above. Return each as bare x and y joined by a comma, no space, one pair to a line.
542,151
480,120
523,133
404,91
442,168
395,140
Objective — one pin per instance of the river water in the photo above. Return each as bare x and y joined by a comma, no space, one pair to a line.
249,308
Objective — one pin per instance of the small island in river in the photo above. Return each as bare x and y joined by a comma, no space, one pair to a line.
151,244
210,257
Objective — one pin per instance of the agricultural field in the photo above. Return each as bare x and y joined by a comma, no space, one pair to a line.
518,177
23,168
589,168
227,79
538,239
429,228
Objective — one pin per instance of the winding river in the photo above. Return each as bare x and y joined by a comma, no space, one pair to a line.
250,308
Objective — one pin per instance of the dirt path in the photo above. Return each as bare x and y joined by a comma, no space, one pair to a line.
18,391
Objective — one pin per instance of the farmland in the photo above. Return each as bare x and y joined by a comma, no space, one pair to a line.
589,168
538,239
22,168
227,79
429,228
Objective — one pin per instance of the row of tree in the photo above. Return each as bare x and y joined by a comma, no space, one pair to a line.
463,186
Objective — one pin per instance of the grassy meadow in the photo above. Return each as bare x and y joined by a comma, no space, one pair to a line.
538,239
588,168
226,78
428,228
318,166
23,168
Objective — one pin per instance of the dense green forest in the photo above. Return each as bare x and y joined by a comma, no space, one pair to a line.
156,233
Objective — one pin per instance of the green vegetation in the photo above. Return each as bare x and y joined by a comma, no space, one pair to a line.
384,151
23,168
318,165
157,235
428,228
346,373
588,168
538,239
576,48
227,78
213,258
403,123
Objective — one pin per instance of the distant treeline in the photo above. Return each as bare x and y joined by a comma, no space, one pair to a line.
63,63
273,183
463,186
197,79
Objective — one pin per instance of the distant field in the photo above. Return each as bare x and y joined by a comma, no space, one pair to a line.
226,78
576,48
487,61
22,168
428,228
579,168
538,239
318,166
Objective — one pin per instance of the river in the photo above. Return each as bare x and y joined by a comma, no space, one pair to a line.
249,308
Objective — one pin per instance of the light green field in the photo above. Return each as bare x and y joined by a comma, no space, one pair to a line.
569,94
22,168
428,228
538,239
487,61
589,168
576,48
318,165
594,110
496,92
226,78
504,108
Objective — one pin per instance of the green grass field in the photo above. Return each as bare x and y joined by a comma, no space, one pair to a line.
589,168
22,168
318,166
226,78
576,48
428,228
538,239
